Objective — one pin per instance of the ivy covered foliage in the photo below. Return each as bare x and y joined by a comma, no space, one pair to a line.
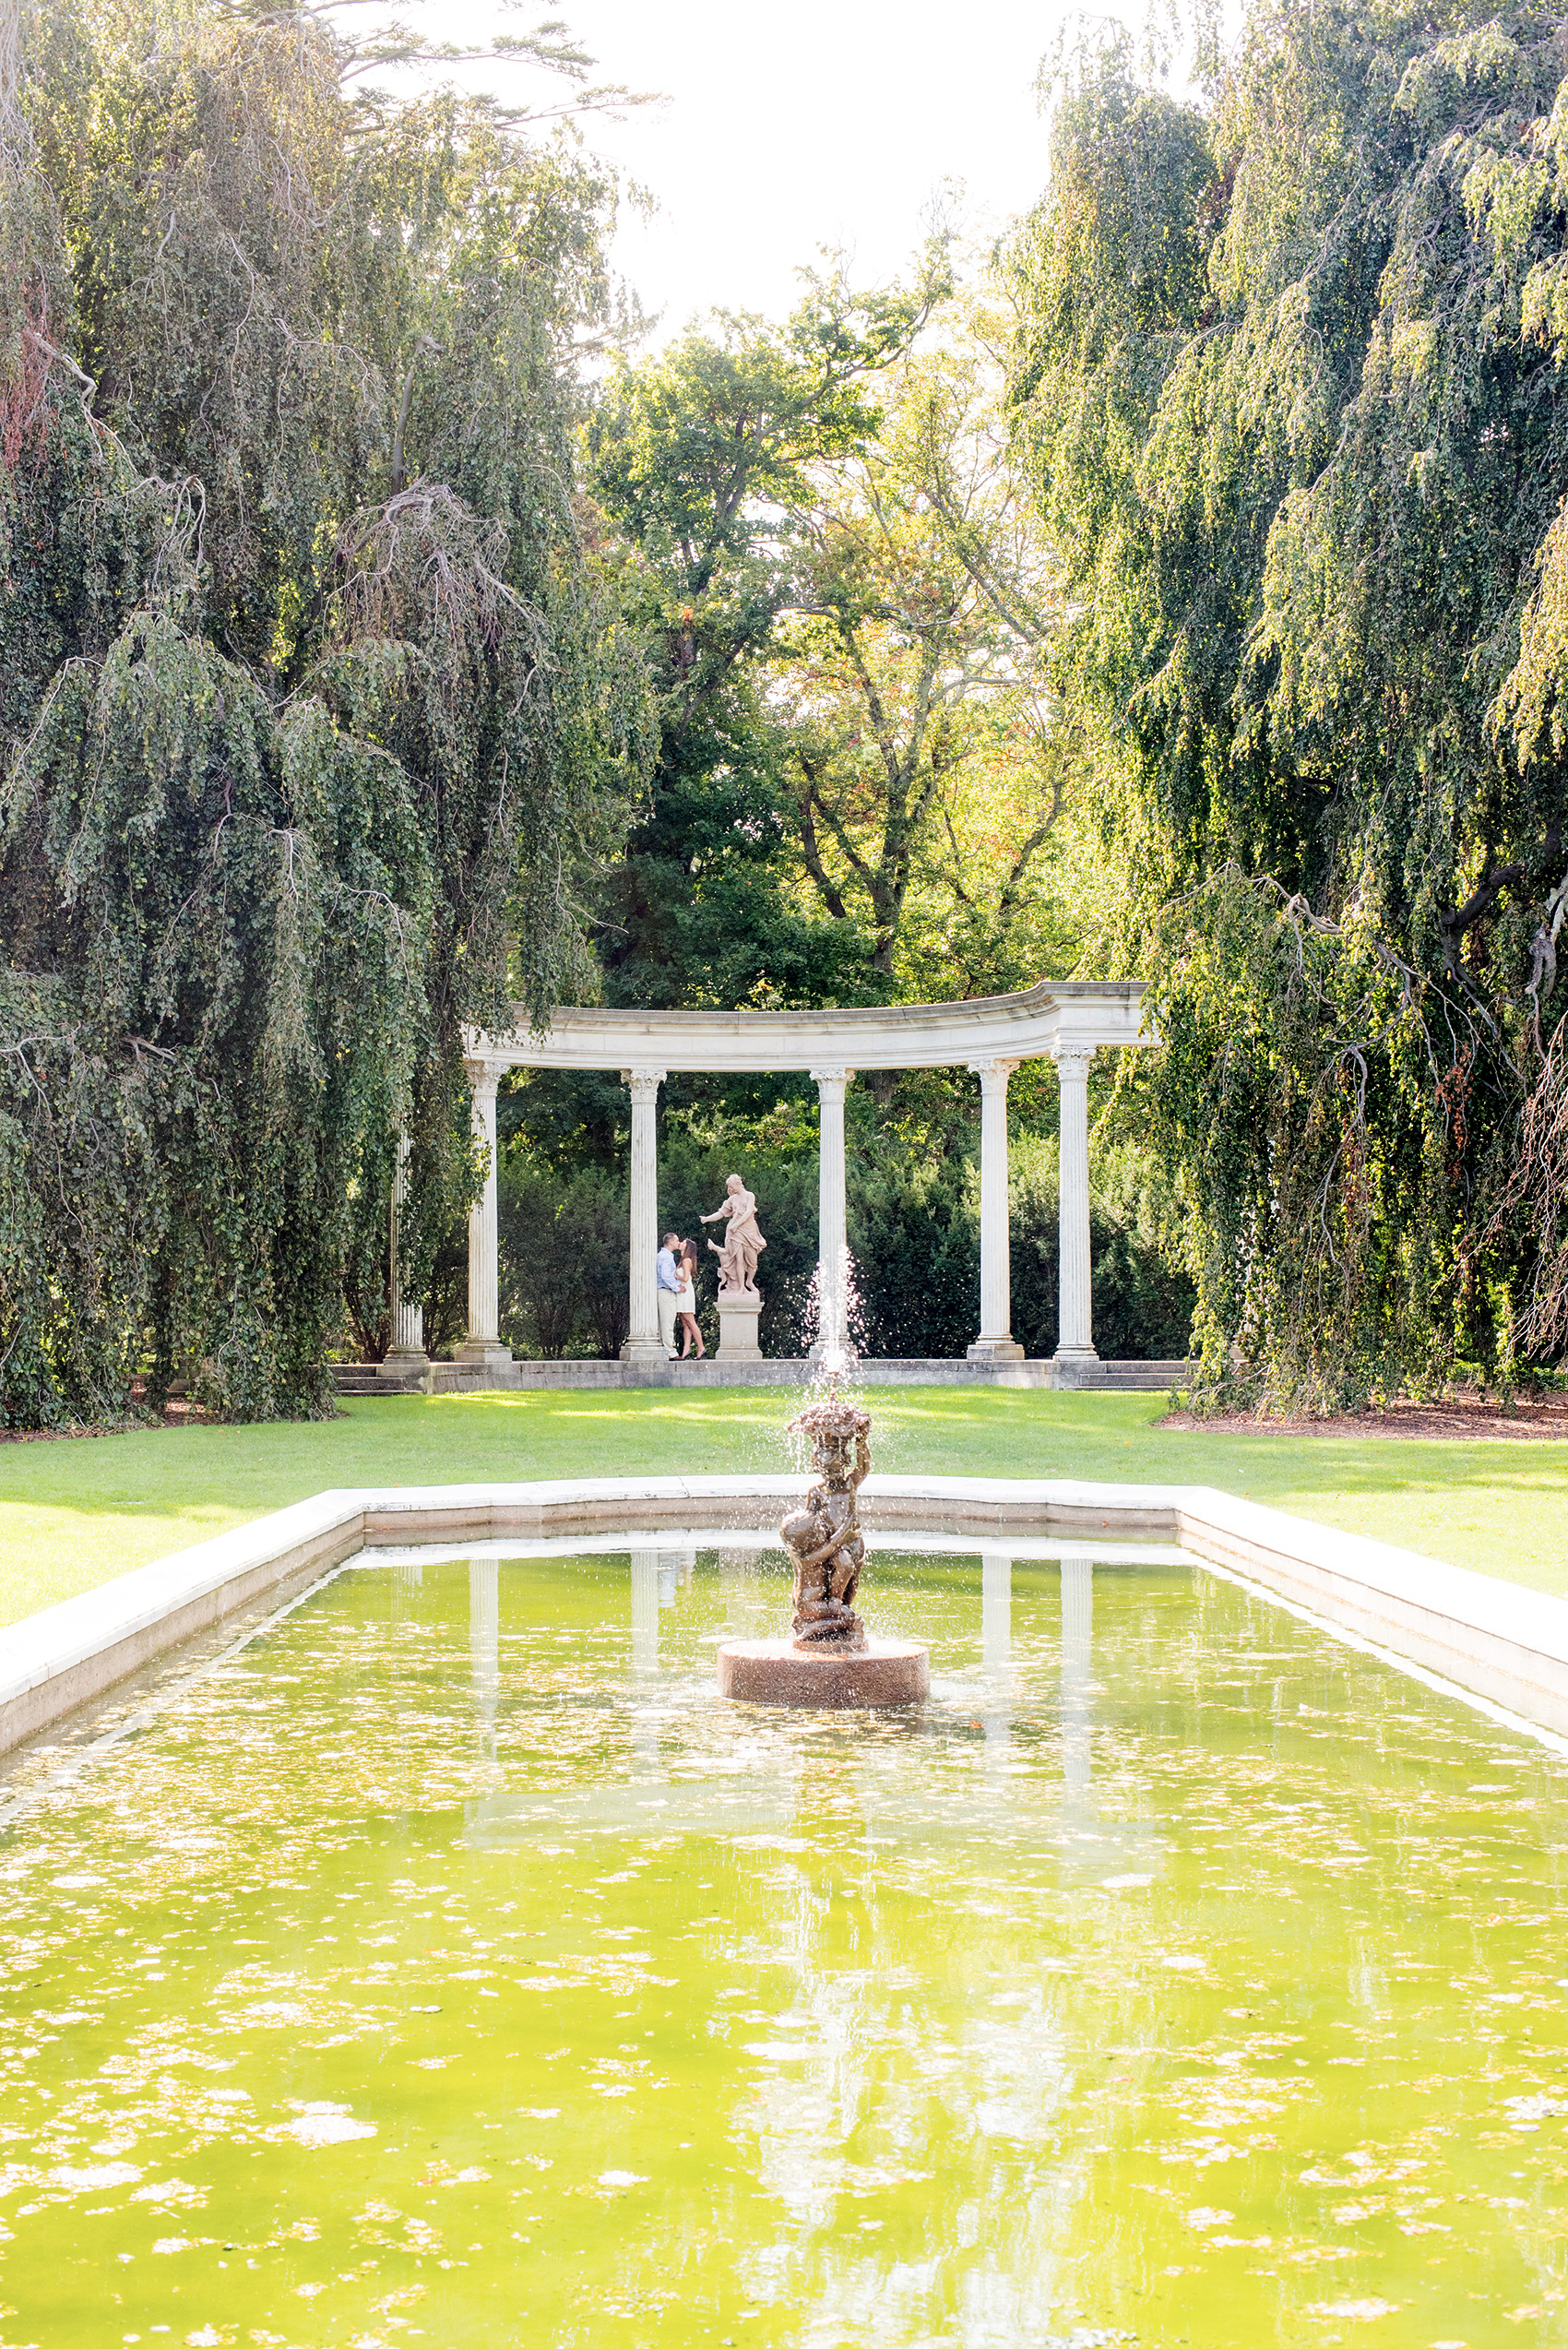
310,709
1291,382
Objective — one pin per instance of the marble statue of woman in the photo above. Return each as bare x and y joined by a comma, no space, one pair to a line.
743,1242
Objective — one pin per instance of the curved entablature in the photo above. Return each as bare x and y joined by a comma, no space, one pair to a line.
1072,1015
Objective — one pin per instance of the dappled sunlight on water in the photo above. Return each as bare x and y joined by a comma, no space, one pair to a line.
451,1966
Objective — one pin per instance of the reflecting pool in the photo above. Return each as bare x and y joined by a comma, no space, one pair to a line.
449,1965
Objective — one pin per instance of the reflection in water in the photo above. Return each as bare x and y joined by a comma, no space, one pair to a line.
645,1610
996,1657
1077,1670
485,1640
641,2021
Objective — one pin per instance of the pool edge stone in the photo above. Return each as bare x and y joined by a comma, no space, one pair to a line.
1494,1638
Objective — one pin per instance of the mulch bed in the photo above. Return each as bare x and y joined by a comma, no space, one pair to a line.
176,1413
1529,1419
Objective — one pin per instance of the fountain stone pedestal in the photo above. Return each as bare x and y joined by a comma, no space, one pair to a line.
775,1672
829,1659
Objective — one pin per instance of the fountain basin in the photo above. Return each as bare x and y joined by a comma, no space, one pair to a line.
775,1672
452,1948
1501,1642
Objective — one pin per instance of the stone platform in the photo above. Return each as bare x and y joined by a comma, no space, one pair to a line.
461,1378
775,1672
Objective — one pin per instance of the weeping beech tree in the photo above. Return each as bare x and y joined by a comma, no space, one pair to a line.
1291,381
311,704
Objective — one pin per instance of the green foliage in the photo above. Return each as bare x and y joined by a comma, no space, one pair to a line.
701,458
914,1226
1142,1299
563,1260
1290,384
313,708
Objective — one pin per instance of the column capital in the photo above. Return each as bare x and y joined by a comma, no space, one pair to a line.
484,1075
993,1073
1072,1059
825,1078
642,1083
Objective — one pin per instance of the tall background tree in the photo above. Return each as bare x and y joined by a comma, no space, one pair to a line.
1288,382
314,711
862,794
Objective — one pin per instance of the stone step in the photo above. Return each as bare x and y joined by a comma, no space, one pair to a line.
364,1379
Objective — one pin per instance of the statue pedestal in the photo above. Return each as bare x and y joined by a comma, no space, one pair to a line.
775,1672
737,1326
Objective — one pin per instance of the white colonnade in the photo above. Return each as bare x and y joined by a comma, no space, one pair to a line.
1075,1343
1064,1021
831,1216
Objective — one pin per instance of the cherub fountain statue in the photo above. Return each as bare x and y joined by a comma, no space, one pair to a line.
829,1658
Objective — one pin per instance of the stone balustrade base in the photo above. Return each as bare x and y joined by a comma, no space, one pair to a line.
462,1378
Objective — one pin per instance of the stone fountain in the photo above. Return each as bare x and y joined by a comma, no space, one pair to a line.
829,1657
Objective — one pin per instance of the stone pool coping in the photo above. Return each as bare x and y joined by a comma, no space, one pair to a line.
1494,1638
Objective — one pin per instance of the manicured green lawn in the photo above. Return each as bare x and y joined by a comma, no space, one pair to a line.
74,1513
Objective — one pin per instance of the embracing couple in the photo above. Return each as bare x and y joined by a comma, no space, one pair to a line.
676,1269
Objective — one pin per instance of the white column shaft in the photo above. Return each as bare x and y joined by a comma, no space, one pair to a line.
484,1247
995,1341
1076,1301
407,1320
832,1219
485,1268
641,1336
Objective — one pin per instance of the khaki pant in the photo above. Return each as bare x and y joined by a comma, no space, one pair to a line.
666,1318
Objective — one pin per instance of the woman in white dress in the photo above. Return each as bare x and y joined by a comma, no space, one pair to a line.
686,1302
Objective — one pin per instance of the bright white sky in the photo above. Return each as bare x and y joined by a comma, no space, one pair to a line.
825,121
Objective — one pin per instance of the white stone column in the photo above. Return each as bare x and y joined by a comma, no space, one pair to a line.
482,1345
643,1348
406,1355
832,1221
995,1343
1075,1344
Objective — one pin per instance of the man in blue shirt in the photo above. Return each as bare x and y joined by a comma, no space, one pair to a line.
668,1288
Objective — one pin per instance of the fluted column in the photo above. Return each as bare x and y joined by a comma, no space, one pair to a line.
643,1348
482,1345
995,1343
832,1221
1075,1344
407,1353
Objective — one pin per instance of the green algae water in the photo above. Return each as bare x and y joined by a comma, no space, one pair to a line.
451,1966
